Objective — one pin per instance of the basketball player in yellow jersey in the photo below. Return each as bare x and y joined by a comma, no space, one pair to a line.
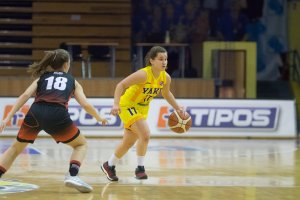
131,102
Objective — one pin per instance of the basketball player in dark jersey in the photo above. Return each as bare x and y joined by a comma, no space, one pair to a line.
53,88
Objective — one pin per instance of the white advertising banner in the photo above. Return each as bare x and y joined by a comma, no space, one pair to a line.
210,118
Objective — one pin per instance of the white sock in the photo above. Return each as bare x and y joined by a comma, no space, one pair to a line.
113,160
140,160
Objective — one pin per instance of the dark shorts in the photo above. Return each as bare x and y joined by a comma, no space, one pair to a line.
54,119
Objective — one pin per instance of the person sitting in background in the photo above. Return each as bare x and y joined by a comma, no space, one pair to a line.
232,23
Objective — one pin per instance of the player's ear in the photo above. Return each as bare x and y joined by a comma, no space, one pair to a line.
151,61
66,66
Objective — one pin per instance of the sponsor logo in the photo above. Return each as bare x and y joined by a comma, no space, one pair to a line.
80,117
18,118
163,115
229,118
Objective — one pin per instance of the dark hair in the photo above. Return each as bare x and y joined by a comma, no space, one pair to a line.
152,53
55,59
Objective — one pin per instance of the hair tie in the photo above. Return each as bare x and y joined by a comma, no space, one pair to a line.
55,53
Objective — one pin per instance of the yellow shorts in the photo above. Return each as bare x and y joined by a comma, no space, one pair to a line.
132,113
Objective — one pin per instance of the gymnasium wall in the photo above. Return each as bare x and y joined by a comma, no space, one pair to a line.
104,87
32,28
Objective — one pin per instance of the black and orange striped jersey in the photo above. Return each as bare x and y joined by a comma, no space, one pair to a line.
55,87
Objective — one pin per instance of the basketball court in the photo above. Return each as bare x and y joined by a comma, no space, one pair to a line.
179,168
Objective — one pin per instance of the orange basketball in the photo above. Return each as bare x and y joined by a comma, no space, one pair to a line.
179,122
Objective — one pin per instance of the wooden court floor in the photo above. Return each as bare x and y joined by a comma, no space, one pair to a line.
183,169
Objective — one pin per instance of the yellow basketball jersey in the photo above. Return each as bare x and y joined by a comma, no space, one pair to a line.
143,93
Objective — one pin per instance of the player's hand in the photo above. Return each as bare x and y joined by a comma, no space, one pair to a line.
115,110
103,121
3,125
181,110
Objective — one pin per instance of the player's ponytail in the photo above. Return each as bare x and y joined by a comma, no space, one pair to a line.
54,59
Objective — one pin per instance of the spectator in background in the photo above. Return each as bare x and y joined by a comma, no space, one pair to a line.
254,9
212,6
141,24
191,10
178,7
232,23
153,19
180,34
169,19
254,31
198,34
155,33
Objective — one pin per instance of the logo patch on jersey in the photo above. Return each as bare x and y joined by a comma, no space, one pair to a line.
59,73
151,90
161,83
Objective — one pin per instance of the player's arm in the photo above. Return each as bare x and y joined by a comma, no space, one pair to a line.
83,102
22,99
137,77
168,95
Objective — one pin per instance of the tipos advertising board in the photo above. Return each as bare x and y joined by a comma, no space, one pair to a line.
210,118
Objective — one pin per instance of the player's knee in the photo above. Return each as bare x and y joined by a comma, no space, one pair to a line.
16,149
83,146
145,137
127,145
